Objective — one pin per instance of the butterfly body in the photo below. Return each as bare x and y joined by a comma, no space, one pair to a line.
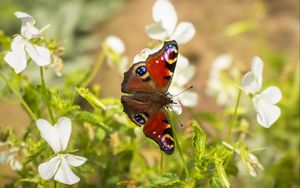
146,84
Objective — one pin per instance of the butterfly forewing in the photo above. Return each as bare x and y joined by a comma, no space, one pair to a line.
155,73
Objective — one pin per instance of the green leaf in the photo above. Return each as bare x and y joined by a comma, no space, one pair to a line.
221,172
91,98
63,105
91,118
167,180
199,141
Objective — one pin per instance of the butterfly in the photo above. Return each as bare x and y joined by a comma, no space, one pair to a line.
146,84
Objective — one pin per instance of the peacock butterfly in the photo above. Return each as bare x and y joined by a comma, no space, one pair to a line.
147,84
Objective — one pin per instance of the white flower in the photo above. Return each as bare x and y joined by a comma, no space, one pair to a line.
57,137
115,43
16,58
115,53
27,29
265,101
9,157
220,84
164,28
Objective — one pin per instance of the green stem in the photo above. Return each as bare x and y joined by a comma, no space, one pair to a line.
46,97
94,72
234,119
56,184
181,155
23,102
161,162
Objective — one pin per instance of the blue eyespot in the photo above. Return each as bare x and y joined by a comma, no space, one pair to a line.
140,119
140,71
170,53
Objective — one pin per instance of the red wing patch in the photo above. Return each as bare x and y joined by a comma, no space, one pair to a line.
158,129
161,65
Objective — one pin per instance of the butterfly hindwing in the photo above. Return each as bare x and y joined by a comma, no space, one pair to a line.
159,129
155,122
154,73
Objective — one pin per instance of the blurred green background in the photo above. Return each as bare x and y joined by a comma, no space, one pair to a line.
266,28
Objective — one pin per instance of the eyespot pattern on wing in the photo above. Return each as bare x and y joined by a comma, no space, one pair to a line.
140,118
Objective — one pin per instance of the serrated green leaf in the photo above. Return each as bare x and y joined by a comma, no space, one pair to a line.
199,141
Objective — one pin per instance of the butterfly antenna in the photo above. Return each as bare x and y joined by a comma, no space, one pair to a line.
182,91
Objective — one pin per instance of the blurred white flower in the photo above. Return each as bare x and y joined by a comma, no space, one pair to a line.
16,58
184,72
164,28
249,160
9,157
57,65
265,101
57,137
253,165
115,49
220,85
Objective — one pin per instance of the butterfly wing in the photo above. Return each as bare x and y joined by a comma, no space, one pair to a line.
159,129
155,122
155,73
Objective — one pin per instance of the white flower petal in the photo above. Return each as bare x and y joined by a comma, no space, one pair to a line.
48,169
182,62
250,84
143,55
49,134
64,174
17,57
188,99
115,43
183,76
5,156
156,31
15,164
221,62
257,69
271,95
39,54
63,129
24,17
176,106
29,31
163,11
18,42
267,114
252,81
184,32
74,160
